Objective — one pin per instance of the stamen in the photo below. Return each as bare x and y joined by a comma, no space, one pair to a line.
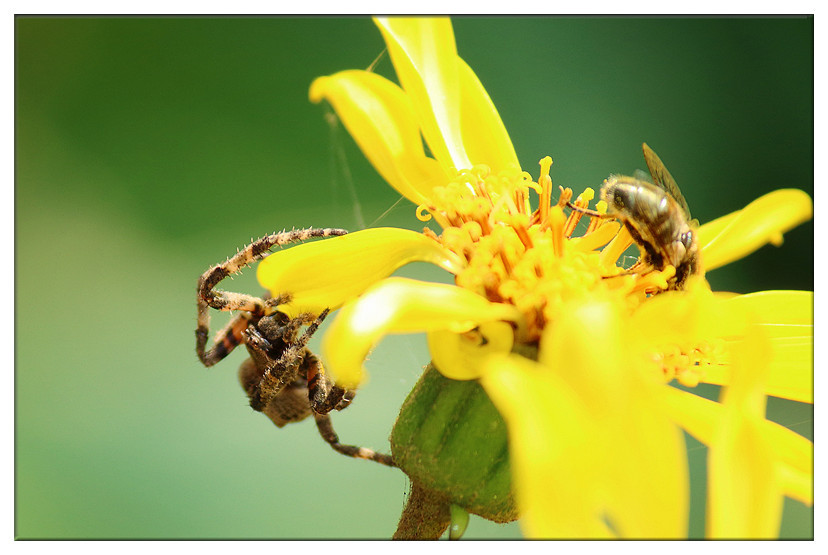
545,183
529,258
688,364
595,223
655,280
421,213
430,234
556,225
522,198
566,196
474,230
520,223
575,216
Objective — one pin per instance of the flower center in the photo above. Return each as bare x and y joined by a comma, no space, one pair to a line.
539,259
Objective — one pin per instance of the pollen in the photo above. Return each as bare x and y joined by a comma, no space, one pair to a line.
536,259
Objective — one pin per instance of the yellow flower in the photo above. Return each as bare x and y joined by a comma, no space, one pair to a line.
576,354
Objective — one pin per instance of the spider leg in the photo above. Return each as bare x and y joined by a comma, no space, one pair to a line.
323,394
207,297
275,374
295,385
325,426
290,405
226,340
221,300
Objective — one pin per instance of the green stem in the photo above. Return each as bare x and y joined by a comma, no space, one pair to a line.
425,517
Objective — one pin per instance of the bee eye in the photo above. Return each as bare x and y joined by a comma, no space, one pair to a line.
618,201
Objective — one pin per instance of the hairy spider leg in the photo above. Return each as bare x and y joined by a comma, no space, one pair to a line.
294,355
226,340
325,427
300,385
207,297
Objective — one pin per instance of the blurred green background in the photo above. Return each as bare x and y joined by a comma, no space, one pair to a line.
149,149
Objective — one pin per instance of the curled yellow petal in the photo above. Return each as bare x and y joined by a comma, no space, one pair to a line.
399,305
760,222
425,57
460,356
325,274
380,118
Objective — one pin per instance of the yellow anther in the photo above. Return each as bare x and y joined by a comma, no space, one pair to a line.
587,195
545,164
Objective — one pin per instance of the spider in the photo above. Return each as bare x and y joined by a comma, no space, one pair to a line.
282,378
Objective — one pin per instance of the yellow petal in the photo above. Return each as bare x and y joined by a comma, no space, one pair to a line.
745,498
380,118
744,478
460,356
399,305
744,495
425,58
760,222
484,134
692,317
552,450
797,485
712,228
790,366
778,307
646,487
701,418
786,319
325,274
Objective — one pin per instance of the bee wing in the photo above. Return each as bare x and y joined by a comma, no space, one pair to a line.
641,175
663,179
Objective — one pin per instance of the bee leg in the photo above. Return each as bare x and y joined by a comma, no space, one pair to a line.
588,212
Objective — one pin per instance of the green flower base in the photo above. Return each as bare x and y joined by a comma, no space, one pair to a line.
451,440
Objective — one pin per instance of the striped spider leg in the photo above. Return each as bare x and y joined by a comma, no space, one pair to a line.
283,378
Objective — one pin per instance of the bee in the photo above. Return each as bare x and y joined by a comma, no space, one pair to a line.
657,217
